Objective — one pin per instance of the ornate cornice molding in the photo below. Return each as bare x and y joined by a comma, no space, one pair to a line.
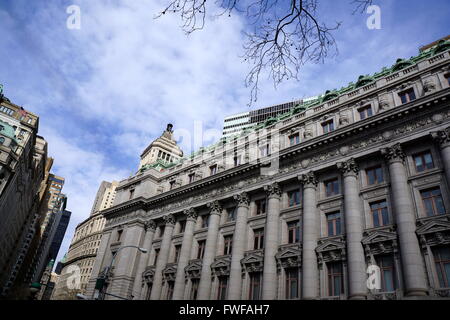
191,214
215,207
394,153
349,167
309,180
273,190
242,199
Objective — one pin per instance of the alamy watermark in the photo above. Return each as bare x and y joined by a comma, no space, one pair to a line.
73,21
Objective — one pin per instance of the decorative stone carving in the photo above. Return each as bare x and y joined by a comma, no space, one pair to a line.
331,249
148,274
384,102
289,256
150,225
442,137
194,269
215,207
242,199
170,272
273,190
169,219
344,120
394,153
429,85
221,266
348,167
191,214
379,241
308,133
309,179
253,261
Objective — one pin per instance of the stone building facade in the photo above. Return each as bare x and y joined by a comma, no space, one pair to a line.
301,207
80,258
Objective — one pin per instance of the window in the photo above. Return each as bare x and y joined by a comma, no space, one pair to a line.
442,263
213,169
172,184
423,161
294,139
292,285
407,95
156,256
365,112
447,76
237,161
2,140
294,197
335,279
205,221
328,126
332,187
194,289
170,285
231,214
191,177
228,245
177,252
201,249
380,214
334,224
161,232
258,239
255,286
293,231
182,226
264,150
374,175
432,201
223,285
131,193
386,265
119,234
260,206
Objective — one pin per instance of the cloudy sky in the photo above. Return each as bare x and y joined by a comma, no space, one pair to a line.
105,91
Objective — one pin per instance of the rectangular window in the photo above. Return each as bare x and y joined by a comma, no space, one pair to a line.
191,177
380,214
365,112
237,161
255,286
228,245
119,234
294,197
374,175
264,150
182,225
231,214
328,126
172,184
294,139
205,221
292,283
432,201
201,249
170,285
177,253
213,169
407,95
423,161
293,231
334,224
161,231
131,193
387,269
335,279
447,76
194,288
223,286
332,187
260,206
156,256
258,239
442,263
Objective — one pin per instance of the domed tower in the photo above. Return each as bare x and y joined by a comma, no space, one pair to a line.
164,149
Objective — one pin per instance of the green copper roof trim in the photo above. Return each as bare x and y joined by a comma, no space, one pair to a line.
7,130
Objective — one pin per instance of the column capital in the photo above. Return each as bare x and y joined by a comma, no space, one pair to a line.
394,153
442,137
349,167
191,214
169,219
215,207
309,179
150,225
273,190
242,199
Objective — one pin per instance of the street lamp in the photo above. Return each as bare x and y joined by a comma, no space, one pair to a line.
143,250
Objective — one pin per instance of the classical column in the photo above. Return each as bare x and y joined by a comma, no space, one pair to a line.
269,289
353,230
204,287
413,268
162,257
443,139
149,227
310,272
239,246
186,245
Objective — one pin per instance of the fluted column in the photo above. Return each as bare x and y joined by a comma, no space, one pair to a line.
186,245
310,230
239,246
149,227
204,287
353,230
413,268
269,289
162,257
443,139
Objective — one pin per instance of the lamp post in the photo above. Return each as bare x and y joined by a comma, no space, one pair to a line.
102,296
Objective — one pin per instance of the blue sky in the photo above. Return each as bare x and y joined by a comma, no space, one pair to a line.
104,92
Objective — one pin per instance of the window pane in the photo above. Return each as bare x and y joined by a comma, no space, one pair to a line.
439,205
428,161
388,281
428,207
338,226
419,164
